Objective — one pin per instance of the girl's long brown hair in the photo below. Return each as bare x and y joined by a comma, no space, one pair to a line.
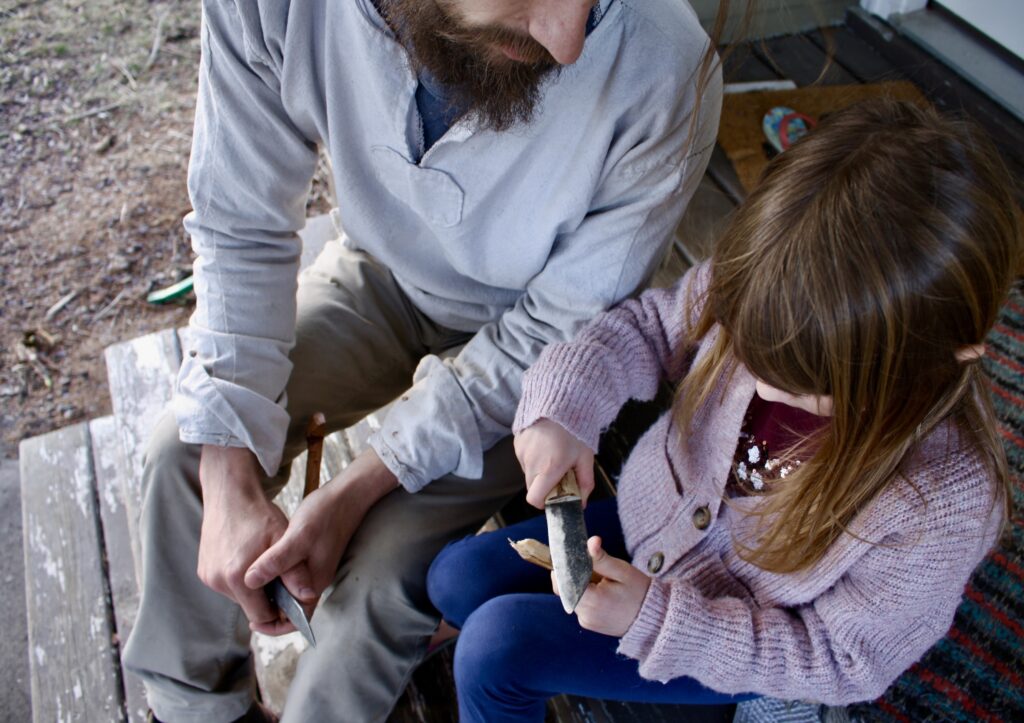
871,251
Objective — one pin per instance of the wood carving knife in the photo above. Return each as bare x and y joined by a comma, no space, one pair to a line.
567,537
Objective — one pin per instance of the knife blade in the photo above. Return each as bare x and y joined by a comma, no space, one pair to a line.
275,590
292,609
567,537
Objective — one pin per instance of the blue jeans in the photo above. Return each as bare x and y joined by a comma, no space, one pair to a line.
517,647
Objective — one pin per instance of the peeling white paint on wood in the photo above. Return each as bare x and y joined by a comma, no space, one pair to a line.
110,468
73,670
141,375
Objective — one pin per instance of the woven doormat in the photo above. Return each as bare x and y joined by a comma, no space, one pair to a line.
740,133
976,673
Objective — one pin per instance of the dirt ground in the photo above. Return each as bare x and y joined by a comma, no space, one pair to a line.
96,106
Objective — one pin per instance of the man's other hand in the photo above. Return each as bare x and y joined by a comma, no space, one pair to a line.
307,555
239,524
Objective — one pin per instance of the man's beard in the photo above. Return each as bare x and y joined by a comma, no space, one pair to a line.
478,79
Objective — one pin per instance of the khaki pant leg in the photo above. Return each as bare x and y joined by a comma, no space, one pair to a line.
357,343
373,625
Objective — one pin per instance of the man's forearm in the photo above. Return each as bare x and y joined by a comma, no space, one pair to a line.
226,471
363,483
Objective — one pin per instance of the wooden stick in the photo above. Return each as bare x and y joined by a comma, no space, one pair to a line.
537,553
315,439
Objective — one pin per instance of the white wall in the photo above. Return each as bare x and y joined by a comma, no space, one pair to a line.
1001,20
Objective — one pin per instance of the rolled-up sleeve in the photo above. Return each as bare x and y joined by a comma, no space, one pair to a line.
249,177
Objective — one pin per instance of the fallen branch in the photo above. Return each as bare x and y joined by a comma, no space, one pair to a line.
106,310
158,39
61,303
92,112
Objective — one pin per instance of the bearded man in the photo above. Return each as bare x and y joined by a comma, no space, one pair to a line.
504,170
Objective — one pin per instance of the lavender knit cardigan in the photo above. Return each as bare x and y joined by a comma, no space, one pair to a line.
837,633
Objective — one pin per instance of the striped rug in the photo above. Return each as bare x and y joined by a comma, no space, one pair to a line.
976,673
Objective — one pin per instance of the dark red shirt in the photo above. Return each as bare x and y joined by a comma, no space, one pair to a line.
769,432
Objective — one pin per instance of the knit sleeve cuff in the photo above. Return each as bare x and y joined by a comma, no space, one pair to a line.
654,637
567,386
639,640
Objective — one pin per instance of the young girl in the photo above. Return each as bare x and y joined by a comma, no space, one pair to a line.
802,523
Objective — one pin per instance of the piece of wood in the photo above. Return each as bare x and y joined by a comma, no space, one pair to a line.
566,489
74,671
315,452
124,591
141,375
537,553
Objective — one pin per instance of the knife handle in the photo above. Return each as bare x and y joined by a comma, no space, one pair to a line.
567,488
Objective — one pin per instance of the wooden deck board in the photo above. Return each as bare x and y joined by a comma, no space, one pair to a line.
75,675
124,589
797,58
743,65
141,375
856,56
724,175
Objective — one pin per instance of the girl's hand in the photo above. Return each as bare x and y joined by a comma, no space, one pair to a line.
611,606
546,451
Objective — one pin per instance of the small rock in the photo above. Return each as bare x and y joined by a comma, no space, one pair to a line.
104,144
119,262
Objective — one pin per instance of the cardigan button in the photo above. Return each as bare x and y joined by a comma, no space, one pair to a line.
702,517
655,563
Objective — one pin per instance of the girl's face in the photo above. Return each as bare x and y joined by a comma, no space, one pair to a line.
820,405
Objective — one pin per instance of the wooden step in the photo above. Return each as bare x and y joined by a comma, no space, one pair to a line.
75,673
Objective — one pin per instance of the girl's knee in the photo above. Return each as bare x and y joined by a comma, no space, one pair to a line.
491,645
448,583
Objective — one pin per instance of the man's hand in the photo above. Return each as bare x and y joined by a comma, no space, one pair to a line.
611,605
319,531
239,523
546,451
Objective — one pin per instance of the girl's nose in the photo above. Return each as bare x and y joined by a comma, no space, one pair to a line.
561,27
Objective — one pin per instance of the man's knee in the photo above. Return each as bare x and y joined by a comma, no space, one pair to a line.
168,460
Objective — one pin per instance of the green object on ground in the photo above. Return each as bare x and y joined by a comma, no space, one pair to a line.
170,293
